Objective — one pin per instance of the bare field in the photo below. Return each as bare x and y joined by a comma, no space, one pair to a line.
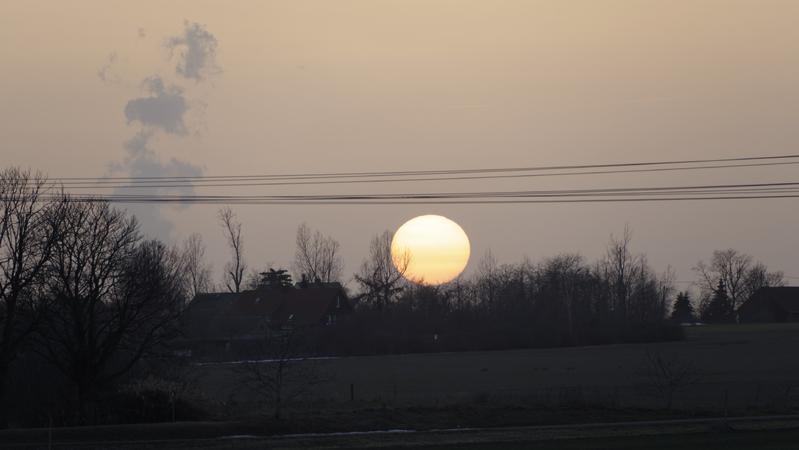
735,433
738,367
513,398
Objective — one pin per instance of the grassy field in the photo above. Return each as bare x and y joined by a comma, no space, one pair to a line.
735,433
744,370
738,367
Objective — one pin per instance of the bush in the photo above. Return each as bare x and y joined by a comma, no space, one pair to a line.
151,400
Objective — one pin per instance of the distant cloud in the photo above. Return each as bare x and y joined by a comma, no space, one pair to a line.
163,109
196,51
106,72
142,161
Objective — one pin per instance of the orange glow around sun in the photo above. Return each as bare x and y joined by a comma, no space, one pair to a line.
430,249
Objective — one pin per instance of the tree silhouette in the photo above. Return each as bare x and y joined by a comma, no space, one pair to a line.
29,228
276,278
682,311
739,272
235,268
197,270
115,298
317,256
719,307
381,277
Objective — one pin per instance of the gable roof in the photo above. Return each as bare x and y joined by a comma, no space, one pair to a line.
247,314
311,305
784,298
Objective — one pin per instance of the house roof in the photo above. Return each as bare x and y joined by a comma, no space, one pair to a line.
311,305
785,298
262,302
211,316
246,314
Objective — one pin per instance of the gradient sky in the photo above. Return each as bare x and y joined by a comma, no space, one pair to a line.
305,86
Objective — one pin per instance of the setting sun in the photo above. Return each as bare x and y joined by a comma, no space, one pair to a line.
430,249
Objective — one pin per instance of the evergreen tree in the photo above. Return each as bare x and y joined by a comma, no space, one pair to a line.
719,308
682,311
276,278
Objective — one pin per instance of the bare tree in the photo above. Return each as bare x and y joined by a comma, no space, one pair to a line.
252,280
236,268
665,289
741,276
562,275
28,229
760,276
283,373
631,291
380,277
620,267
486,281
317,256
115,298
197,270
668,374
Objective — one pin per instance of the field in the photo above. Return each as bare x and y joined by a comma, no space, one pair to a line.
737,367
728,434
568,398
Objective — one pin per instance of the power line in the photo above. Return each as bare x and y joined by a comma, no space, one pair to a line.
430,202
618,194
178,183
740,191
729,188
377,174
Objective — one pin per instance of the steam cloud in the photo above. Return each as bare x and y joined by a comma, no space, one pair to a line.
142,161
105,72
196,49
163,109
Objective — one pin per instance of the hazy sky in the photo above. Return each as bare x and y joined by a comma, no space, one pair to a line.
95,88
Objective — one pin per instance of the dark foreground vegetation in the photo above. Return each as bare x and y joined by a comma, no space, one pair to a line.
90,310
693,433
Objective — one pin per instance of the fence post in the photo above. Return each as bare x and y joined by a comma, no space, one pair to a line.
49,431
352,392
757,395
726,400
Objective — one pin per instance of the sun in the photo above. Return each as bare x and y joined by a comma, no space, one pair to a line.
430,249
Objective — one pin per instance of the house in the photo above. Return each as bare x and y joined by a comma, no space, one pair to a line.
771,304
230,325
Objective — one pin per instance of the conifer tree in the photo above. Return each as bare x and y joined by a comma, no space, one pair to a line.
683,311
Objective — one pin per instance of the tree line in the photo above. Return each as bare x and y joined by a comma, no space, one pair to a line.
88,302
81,290
563,300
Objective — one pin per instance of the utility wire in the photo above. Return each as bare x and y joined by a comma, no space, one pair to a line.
430,202
644,193
179,183
330,175
738,191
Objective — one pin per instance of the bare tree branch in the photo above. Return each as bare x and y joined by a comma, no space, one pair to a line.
381,277
317,256
236,268
197,270
28,229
